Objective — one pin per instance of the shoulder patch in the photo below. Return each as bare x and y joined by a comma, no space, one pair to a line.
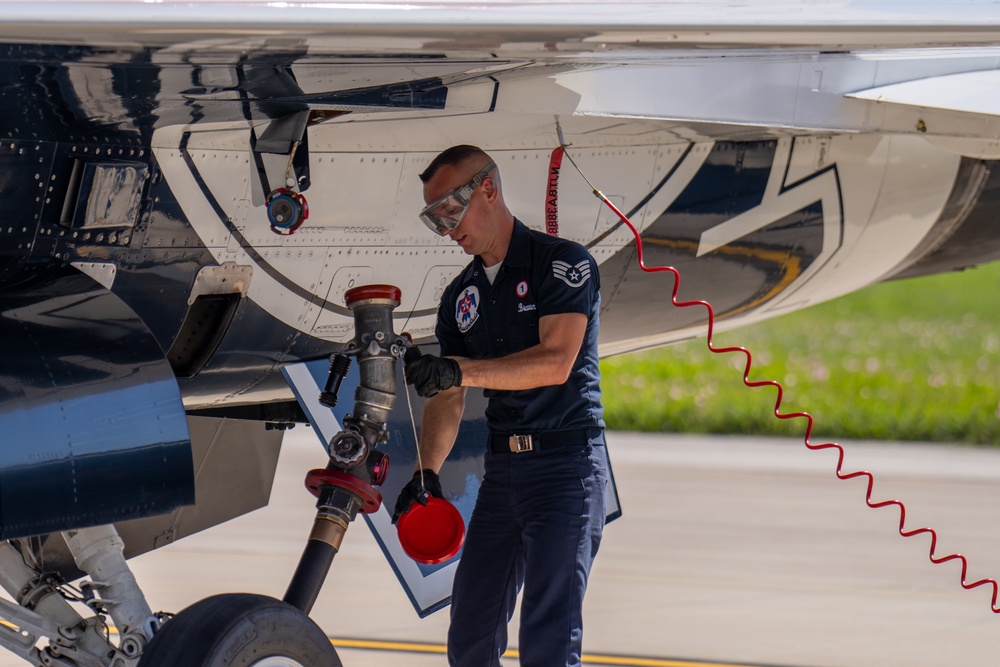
467,308
574,275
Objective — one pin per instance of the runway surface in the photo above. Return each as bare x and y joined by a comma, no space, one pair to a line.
731,551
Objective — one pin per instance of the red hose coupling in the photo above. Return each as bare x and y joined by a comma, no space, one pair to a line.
321,477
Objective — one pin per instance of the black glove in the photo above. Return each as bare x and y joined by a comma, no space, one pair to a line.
430,374
414,492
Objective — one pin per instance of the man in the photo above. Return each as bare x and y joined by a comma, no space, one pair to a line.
521,322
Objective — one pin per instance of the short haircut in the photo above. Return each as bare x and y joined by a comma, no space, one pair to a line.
453,156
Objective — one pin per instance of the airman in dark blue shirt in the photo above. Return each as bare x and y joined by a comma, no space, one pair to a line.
540,276
521,322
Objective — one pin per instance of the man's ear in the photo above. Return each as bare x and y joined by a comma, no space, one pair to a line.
490,187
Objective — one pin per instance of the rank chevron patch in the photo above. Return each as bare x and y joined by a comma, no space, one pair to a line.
573,275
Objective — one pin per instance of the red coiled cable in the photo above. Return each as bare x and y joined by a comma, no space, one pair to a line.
934,558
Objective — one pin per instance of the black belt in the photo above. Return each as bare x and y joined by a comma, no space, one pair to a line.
519,443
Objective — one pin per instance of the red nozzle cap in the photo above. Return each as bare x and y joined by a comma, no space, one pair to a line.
365,292
433,533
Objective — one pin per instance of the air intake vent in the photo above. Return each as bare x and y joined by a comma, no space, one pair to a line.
207,321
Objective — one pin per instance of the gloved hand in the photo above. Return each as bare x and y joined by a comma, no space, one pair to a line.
414,492
430,374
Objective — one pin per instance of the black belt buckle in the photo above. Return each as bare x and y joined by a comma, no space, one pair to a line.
521,443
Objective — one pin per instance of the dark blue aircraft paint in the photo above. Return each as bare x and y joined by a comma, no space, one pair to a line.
735,278
94,429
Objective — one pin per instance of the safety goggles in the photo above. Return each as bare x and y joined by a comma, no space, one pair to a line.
446,213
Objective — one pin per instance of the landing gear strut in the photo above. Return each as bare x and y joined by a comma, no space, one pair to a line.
43,610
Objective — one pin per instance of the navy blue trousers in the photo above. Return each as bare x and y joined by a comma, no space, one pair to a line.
537,525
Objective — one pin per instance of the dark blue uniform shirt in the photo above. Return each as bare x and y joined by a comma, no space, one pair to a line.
541,275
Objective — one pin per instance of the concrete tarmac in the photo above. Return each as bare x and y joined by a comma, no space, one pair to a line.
731,551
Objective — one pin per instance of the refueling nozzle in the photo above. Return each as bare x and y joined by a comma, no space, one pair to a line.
376,348
346,487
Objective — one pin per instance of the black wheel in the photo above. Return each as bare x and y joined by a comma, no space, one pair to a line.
240,630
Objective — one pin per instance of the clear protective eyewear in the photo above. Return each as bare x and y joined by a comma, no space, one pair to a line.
446,213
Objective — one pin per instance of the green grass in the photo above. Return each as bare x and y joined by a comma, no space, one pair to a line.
916,359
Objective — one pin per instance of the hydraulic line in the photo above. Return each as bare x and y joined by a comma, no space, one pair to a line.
934,558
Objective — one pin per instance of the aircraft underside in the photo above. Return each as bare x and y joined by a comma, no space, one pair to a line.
183,222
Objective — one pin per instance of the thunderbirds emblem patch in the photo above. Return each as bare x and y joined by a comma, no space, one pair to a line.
573,275
467,308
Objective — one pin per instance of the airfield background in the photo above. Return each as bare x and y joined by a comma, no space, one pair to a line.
915,359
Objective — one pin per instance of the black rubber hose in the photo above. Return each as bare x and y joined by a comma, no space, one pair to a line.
309,575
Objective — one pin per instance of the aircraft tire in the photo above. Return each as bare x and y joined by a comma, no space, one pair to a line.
240,630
